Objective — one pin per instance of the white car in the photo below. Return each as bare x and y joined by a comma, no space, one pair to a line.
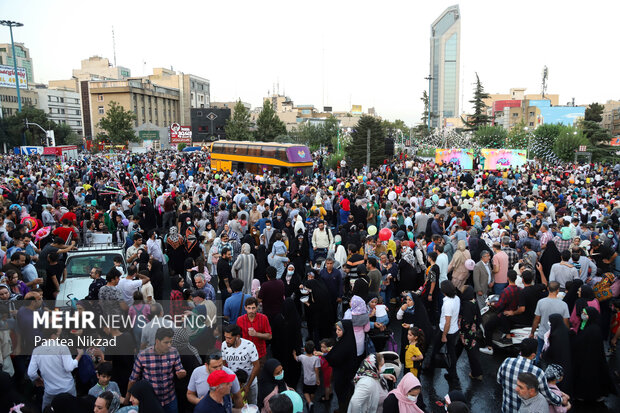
79,263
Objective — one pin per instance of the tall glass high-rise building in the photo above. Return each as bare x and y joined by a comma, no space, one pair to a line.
445,65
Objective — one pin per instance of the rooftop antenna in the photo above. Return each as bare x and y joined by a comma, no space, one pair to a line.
545,76
114,46
278,85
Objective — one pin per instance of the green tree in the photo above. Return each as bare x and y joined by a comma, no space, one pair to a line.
517,137
181,146
117,125
594,112
490,137
567,142
12,127
356,150
480,117
64,135
238,126
590,125
427,107
268,125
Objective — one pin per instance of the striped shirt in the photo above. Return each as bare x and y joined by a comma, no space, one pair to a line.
158,369
507,378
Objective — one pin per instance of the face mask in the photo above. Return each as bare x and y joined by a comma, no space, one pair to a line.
610,235
280,376
290,273
412,398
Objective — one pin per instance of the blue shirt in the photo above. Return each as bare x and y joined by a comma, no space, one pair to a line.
208,405
232,305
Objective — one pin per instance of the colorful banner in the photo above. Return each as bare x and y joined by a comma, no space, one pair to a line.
180,134
503,158
461,157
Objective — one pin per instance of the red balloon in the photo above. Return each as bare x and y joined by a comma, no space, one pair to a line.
385,234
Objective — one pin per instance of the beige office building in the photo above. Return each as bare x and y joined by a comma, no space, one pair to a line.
8,99
151,103
194,91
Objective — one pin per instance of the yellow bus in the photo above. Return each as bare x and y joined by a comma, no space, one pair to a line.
261,157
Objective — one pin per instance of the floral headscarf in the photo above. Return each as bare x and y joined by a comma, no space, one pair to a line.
368,368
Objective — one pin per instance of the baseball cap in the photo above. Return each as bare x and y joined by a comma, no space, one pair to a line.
219,377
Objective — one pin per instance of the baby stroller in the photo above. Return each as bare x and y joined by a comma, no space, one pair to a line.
392,365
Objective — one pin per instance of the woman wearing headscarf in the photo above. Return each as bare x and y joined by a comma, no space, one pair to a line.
291,286
558,350
9,396
108,402
550,256
406,315
291,341
143,396
270,382
585,298
319,313
406,397
174,244
358,314
460,273
343,360
469,322
262,262
591,371
572,294
476,245
299,254
410,279
156,275
370,386
299,225
244,266
178,305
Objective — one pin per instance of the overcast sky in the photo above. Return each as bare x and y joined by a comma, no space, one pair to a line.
333,53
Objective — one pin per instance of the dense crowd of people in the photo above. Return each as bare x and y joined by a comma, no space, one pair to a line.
354,283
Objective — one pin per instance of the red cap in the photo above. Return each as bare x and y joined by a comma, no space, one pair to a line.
220,376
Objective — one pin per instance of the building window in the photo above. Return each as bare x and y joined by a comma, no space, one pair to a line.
100,98
531,113
62,100
50,110
61,110
78,123
531,123
49,98
515,115
77,112
101,110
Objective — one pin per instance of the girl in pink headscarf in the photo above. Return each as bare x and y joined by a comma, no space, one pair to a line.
404,398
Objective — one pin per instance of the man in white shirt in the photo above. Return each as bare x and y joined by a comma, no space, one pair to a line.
130,284
239,353
153,247
442,262
55,364
448,328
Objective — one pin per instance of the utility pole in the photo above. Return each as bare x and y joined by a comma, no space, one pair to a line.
429,78
368,150
10,25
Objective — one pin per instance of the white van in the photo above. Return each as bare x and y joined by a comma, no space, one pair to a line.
78,265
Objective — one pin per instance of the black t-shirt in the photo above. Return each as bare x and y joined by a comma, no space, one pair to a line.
49,287
223,272
603,252
528,298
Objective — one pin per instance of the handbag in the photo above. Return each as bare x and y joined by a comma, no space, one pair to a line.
441,360
369,345
391,344
602,289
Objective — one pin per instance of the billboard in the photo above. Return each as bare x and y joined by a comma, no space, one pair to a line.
356,109
503,158
7,77
461,157
180,134
149,135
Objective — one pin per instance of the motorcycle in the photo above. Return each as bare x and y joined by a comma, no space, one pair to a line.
513,339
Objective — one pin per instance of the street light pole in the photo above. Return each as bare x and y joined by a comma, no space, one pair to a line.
10,25
429,78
